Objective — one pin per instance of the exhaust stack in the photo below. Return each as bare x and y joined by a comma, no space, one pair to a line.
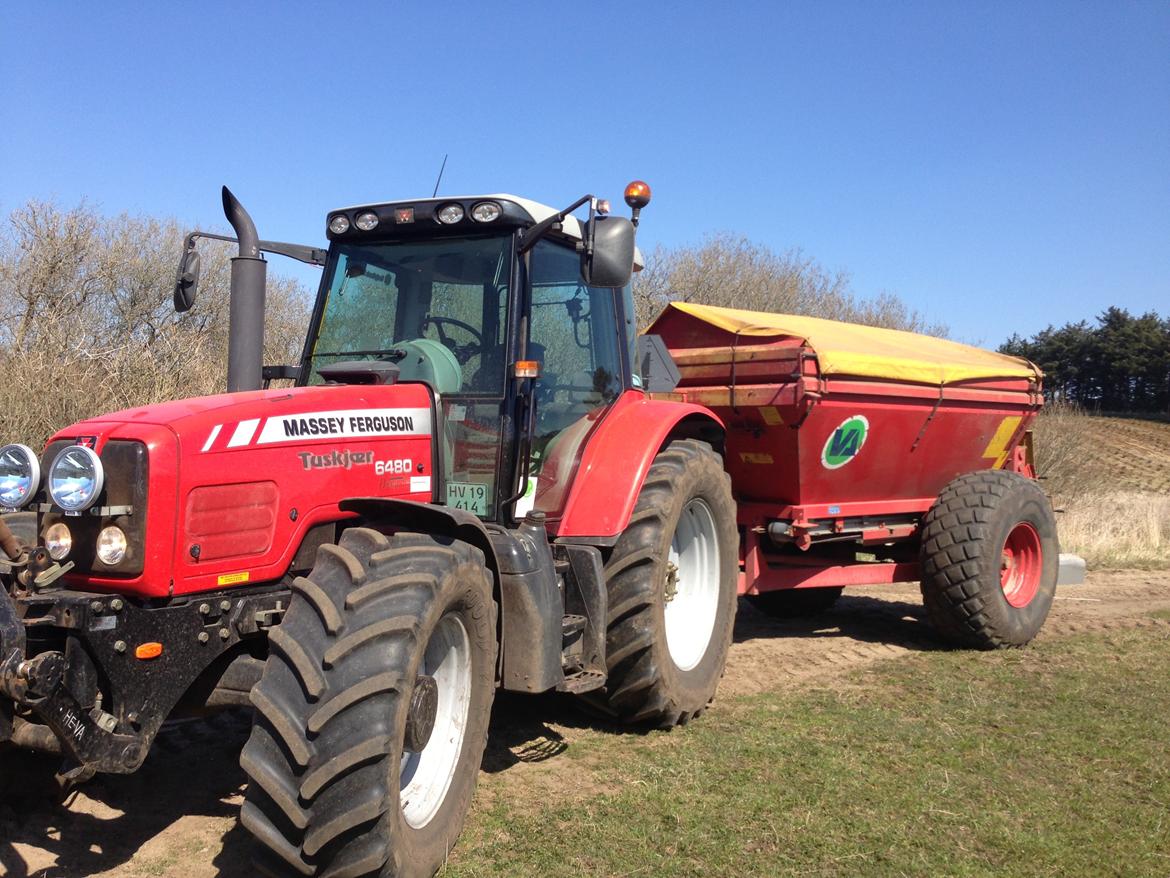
249,277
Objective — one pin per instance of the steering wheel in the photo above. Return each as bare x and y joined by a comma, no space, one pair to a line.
462,353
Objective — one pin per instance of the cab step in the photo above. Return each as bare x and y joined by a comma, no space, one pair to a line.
582,681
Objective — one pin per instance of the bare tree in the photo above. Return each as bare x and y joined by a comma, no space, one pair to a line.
732,271
87,324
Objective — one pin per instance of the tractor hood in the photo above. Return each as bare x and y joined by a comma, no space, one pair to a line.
226,489
264,413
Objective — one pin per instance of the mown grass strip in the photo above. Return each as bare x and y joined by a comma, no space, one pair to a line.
1047,761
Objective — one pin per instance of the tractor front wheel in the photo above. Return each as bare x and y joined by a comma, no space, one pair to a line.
990,558
372,714
672,590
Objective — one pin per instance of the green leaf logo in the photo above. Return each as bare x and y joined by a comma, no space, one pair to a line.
845,442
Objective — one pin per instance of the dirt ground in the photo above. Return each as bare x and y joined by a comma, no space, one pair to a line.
177,816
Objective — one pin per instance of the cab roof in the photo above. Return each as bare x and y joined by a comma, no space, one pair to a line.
535,210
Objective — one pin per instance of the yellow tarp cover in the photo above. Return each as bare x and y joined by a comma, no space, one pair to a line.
867,351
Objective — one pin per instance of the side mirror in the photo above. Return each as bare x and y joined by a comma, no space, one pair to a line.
187,279
612,262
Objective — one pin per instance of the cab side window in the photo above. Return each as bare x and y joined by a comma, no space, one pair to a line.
574,333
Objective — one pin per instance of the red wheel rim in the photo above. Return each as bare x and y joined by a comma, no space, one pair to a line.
1021,565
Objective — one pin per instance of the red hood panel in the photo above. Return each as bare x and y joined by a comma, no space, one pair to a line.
187,416
236,481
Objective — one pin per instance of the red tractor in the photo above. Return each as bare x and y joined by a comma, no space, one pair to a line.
470,488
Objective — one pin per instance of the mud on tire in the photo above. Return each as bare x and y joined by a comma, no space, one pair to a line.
646,684
990,559
327,745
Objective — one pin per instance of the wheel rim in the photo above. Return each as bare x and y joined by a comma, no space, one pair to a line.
692,585
425,777
1021,565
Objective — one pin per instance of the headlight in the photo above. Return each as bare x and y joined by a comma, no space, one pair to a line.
59,541
20,476
485,212
111,546
366,221
449,214
339,224
76,478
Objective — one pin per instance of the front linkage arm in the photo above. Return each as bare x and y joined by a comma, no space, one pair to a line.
103,633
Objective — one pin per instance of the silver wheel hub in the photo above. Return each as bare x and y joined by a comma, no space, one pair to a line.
425,775
691,590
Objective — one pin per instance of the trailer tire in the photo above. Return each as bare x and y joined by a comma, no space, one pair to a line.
795,603
990,558
342,692
665,659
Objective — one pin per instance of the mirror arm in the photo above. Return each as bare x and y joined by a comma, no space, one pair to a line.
529,238
299,252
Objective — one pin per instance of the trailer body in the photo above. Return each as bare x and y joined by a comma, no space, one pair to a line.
841,437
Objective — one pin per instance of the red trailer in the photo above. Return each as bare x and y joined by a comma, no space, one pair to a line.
847,444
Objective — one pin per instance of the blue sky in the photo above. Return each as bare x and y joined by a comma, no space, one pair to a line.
1000,166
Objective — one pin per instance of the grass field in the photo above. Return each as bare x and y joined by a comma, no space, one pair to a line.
1110,477
1046,761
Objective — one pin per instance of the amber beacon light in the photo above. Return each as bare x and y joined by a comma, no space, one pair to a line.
637,195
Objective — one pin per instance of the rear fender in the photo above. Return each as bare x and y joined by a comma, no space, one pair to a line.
617,458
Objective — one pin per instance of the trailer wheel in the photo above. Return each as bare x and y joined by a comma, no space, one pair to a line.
989,560
672,590
372,714
793,603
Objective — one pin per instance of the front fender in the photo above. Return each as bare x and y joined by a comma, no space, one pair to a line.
617,458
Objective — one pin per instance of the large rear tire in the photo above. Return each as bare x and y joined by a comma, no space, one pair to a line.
672,590
990,558
344,779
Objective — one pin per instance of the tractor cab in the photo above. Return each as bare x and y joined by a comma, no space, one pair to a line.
486,301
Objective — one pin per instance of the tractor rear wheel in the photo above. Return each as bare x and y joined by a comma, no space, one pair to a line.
990,558
672,590
794,603
372,714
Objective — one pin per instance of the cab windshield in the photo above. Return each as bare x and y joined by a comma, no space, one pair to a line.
436,308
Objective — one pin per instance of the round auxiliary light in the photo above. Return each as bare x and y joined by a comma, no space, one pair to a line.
366,221
449,214
59,541
76,478
111,546
637,194
20,476
486,212
339,224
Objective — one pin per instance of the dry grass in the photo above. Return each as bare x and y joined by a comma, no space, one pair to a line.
1117,528
1111,478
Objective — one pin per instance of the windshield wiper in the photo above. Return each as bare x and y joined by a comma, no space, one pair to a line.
391,354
